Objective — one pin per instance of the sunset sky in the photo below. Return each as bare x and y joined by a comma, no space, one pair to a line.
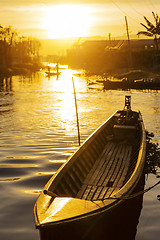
59,19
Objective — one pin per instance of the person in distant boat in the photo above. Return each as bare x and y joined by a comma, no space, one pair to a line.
49,69
57,66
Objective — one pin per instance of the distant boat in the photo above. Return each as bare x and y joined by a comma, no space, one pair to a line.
52,73
137,84
94,182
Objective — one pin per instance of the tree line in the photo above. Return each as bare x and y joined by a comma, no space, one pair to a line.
16,49
152,29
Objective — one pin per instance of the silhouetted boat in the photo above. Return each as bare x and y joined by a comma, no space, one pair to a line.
137,84
96,180
48,73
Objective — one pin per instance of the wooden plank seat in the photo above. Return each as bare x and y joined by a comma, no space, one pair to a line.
123,131
107,173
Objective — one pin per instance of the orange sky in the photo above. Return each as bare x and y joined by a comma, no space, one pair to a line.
58,19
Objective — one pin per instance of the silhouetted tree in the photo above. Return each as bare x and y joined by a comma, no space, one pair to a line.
153,30
27,48
7,41
34,46
16,48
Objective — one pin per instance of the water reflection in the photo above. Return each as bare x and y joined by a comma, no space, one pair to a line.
65,103
5,84
38,134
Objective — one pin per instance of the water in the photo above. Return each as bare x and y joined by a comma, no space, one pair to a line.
38,133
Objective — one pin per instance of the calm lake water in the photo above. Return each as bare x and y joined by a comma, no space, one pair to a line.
38,133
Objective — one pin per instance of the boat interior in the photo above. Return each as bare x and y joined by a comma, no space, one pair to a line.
104,163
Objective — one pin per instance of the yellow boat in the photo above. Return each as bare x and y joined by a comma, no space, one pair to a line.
102,173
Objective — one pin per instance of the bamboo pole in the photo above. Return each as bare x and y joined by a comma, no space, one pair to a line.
79,141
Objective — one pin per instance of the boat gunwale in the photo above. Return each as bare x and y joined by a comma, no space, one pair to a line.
106,204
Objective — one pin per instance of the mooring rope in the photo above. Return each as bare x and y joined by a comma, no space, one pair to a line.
132,195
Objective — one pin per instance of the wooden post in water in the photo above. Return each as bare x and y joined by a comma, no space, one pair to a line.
79,141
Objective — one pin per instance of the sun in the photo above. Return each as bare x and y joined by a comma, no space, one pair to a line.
65,21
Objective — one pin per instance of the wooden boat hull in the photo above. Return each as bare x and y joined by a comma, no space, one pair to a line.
49,74
113,85
95,180
102,225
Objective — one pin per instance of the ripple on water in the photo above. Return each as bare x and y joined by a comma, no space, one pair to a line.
58,161
9,179
38,134
13,172
36,181
20,160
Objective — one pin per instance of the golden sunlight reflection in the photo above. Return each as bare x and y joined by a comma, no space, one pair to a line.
32,191
19,165
67,20
45,173
64,87
57,161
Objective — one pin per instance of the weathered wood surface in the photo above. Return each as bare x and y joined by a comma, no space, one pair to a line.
107,173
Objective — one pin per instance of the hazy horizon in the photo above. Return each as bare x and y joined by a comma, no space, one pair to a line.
59,46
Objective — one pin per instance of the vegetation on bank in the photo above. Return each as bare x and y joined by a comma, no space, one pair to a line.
98,58
152,154
152,29
137,74
109,62
19,54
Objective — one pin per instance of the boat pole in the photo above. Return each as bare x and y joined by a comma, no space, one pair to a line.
79,141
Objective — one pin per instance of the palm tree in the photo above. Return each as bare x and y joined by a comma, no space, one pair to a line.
153,30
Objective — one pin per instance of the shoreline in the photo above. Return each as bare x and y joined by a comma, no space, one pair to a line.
20,69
